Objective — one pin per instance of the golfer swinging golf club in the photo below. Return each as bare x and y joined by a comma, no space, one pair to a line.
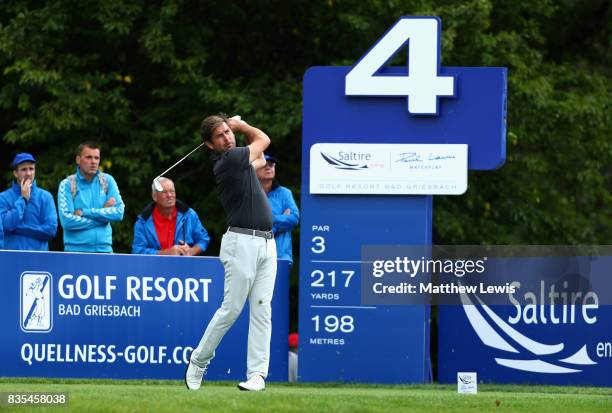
248,250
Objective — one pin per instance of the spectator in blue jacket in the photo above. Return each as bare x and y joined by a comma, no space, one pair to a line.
168,226
284,210
88,201
27,213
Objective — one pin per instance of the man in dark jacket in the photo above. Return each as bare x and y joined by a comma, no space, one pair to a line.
168,226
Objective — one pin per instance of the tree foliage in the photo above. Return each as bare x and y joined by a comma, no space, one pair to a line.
138,76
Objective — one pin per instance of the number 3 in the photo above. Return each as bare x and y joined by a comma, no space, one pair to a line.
422,86
319,245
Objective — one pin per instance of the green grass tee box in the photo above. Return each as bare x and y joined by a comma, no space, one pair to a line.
172,396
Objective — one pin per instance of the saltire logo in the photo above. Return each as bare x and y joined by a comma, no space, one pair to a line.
338,164
35,314
524,353
465,379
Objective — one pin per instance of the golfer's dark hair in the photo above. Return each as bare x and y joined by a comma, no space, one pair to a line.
211,123
87,144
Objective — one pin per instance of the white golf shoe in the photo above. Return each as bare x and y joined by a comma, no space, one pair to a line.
255,383
193,376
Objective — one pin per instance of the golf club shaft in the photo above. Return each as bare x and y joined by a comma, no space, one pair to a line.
181,160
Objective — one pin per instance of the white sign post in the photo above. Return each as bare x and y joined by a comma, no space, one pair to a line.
467,383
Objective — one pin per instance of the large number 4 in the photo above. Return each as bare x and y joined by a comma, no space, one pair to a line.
423,85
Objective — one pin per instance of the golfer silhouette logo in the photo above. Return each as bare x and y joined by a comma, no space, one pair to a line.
36,315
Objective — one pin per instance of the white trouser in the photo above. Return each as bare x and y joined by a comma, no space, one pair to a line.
250,271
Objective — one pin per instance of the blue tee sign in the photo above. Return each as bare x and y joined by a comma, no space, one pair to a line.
353,109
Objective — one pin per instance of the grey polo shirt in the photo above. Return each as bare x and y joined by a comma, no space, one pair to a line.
243,199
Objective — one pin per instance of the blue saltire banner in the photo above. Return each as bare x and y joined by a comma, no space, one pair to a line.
554,326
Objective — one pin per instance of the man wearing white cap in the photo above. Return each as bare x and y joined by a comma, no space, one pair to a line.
27,212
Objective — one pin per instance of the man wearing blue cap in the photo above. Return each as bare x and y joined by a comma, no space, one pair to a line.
285,212
27,212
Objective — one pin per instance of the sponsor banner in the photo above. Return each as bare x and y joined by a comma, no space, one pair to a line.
556,329
122,316
388,169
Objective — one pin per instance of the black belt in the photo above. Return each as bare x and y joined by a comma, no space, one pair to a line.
253,232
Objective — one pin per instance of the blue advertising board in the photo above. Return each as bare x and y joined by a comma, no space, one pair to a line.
461,347
341,339
554,328
122,316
